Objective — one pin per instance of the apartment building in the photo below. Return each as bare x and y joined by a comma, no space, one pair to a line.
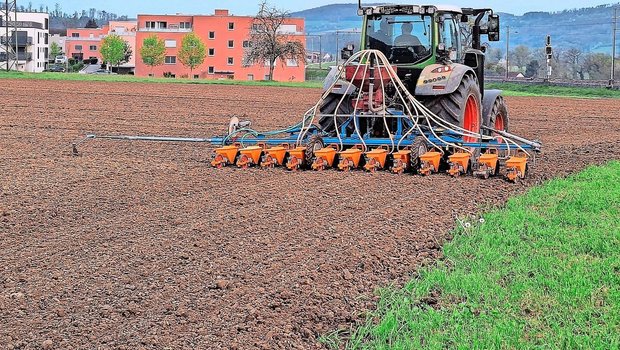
85,43
225,36
29,34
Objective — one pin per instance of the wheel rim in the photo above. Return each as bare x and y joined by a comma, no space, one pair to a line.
471,118
500,125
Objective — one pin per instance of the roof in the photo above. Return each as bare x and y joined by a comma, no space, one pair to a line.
416,8
449,8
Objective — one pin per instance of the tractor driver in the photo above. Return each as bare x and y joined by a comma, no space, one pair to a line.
406,39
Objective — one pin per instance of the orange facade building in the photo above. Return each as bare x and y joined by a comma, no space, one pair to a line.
225,37
85,43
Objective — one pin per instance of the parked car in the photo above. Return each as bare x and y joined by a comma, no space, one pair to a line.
61,59
102,71
56,68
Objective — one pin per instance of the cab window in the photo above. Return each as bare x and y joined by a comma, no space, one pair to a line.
449,35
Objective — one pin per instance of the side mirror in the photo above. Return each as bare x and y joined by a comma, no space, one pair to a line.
347,52
493,27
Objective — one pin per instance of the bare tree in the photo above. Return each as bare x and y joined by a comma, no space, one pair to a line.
573,57
267,43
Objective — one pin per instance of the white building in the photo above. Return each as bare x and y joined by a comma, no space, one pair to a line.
31,39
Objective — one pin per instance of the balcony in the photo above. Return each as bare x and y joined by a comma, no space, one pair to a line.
21,41
169,29
22,56
22,24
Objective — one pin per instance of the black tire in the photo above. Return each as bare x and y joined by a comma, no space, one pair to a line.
418,147
500,109
451,107
329,107
315,143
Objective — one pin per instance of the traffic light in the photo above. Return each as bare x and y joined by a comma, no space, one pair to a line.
548,48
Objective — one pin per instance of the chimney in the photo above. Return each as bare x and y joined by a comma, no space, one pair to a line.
221,12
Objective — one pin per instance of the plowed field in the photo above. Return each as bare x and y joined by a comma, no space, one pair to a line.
144,245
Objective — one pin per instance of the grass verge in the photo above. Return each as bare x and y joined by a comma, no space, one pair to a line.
315,80
511,89
134,79
543,272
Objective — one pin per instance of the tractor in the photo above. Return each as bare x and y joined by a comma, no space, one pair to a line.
425,45
412,99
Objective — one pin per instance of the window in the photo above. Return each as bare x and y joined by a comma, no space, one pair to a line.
47,24
185,25
211,52
162,25
78,47
91,35
450,35
231,44
250,76
404,38
211,35
291,63
211,70
246,43
231,25
93,48
231,61
171,59
196,76
46,38
75,35
266,77
170,43
150,25
151,75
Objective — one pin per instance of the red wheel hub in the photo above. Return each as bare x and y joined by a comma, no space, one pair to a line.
471,119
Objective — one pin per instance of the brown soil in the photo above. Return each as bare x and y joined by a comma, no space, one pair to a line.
143,245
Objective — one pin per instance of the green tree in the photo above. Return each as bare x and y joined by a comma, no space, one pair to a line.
531,71
193,51
153,51
55,50
113,50
127,52
267,43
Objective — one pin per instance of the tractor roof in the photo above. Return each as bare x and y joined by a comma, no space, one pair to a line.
408,9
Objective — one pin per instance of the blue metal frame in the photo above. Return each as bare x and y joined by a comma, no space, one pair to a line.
403,124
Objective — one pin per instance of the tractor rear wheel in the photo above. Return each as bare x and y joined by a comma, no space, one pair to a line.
461,108
333,101
499,115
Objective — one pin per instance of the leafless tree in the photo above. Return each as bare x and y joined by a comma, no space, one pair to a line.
267,43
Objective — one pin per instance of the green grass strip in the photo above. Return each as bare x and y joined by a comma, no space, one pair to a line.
315,77
134,79
511,89
541,273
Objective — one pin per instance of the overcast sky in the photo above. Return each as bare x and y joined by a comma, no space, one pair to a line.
248,7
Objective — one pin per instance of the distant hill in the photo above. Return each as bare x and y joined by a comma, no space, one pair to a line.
589,29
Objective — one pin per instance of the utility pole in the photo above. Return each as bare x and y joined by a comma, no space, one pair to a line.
613,48
507,49
10,51
320,47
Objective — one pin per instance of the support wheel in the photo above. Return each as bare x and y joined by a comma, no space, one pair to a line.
315,143
418,148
